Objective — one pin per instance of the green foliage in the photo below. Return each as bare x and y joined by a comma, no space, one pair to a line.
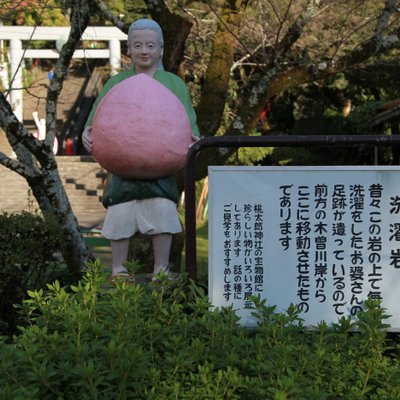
36,12
162,342
249,155
125,10
319,108
29,258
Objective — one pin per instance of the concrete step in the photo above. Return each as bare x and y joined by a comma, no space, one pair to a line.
83,181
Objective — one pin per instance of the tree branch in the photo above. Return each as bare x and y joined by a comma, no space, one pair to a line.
390,8
262,88
157,7
108,15
296,29
79,22
16,166
375,46
17,135
258,91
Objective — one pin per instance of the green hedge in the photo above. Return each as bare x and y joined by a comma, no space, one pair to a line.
156,342
30,257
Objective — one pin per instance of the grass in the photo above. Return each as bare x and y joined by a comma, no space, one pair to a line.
202,250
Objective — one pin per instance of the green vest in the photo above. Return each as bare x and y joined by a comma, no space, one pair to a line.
120,190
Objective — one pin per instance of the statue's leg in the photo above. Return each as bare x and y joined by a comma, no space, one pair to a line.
161,249
119,250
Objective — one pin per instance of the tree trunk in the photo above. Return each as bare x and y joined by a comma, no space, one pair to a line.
176,29
46,185
216,85
35,159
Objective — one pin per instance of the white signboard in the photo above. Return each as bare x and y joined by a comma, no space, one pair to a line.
323,238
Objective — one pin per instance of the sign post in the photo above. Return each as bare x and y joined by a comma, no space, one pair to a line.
322,238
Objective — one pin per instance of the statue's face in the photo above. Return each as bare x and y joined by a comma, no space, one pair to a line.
145,51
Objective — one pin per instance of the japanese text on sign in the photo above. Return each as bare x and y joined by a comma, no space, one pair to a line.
322,239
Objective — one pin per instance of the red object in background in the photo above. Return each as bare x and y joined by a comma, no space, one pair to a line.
263,118
265,111
69,147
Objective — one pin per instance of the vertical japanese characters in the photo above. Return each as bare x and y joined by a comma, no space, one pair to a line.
336,232
243,227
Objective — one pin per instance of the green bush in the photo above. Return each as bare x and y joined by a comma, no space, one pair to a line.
94,341
29,258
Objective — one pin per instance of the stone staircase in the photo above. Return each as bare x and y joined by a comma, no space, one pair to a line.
82,177
83,180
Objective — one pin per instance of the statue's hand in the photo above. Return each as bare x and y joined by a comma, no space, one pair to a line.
87,139
194,139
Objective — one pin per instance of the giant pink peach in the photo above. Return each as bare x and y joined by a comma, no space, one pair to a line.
141,130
